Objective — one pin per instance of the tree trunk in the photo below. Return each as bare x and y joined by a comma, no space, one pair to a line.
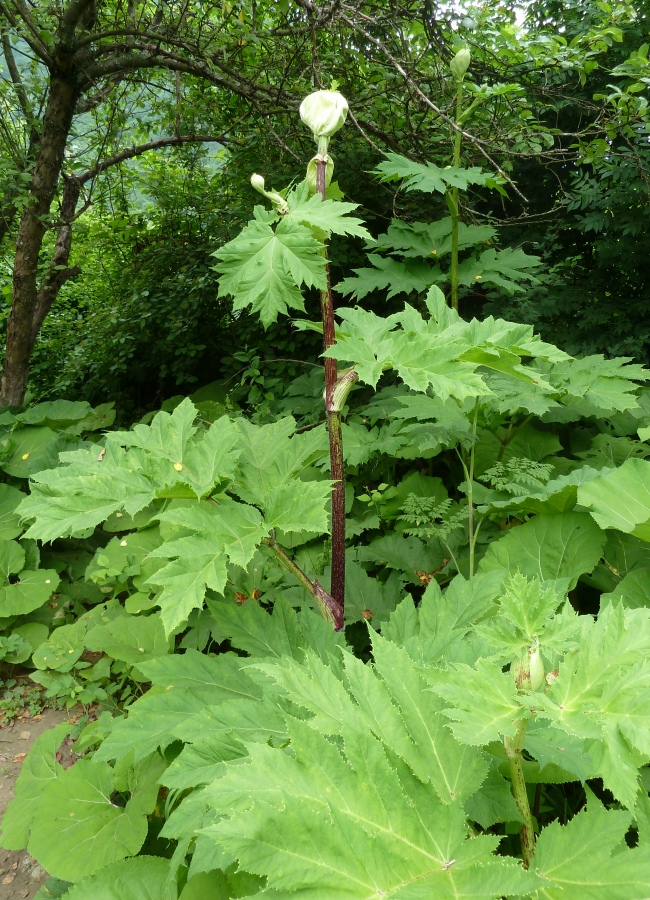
58,272
47,169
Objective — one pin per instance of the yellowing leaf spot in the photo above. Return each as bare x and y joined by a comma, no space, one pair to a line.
47,581
118,515
122,543
178,467
25,456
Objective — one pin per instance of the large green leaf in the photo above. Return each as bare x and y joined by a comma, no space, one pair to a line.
429,177
621,498
264,269
328,215
91,831
633,590
141,878
600,696
22,590
38,770
74,498
10,497
562,546
587,859
364,839
132,639
399,277
211,534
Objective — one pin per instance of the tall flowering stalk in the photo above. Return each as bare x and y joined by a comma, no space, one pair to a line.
324,112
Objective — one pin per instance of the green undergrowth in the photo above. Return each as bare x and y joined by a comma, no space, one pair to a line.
478,728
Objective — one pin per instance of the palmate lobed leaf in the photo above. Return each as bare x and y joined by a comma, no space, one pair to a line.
429,177
348,824
601,695
587,859
264,269
327,215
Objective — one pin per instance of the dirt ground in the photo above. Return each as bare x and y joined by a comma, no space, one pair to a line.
20,875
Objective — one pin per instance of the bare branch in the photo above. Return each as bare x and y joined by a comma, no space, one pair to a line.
173,141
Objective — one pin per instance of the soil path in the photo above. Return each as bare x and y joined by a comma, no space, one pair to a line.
20,874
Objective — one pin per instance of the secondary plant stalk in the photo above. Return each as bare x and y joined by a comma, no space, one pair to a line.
452,202
337,471
329,608
513,747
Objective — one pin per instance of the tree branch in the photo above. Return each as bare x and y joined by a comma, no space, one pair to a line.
14,74
34,41
174,141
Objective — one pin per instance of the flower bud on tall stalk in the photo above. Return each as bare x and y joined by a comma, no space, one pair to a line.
324,112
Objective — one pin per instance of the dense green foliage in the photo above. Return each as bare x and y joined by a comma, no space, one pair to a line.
479,725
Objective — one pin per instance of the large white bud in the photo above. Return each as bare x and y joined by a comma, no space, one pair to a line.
324,112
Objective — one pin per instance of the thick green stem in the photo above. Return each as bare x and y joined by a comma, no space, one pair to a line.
337,471
330,609
452,202
470,496
513,747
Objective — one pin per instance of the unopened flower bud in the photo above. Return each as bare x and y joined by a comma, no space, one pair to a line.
324,112
281,205
460,64
257,181
312,170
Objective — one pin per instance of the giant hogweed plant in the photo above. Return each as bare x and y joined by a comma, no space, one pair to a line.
285,765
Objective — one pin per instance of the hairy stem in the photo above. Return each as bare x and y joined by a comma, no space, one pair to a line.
329,608
513,747
334,427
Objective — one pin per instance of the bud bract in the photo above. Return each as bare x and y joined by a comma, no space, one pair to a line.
536,668
344,384
324,112
460,64
312,170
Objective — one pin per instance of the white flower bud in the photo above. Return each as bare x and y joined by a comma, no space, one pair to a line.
257,182
460,64
324,112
